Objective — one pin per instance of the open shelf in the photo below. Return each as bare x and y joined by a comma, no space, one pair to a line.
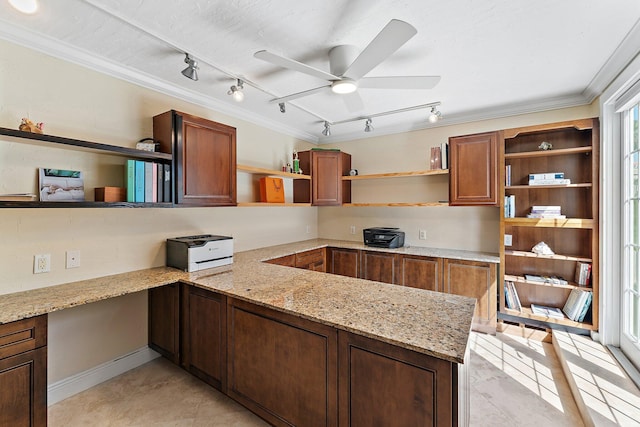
550,222
527,313
544,187
509,252
86,204
265,204
397,174
417,204
548,153
113,149
270,172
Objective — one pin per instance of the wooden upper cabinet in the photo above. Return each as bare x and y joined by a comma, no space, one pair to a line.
204,158
326,169
473,171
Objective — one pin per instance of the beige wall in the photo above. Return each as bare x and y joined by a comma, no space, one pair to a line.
469,228
80,103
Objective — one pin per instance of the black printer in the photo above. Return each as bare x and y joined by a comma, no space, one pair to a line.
383,237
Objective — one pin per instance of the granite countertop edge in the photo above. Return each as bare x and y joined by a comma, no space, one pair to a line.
430,323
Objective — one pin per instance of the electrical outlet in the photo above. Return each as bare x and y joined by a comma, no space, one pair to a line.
423,235
508,240
41,263
353,229
73,259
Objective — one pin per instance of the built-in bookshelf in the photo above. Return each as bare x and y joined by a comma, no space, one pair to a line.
571,149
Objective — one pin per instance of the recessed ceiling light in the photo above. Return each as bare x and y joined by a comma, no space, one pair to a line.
25,6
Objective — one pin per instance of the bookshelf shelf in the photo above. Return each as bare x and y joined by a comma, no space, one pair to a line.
575,154
396,174
549,153
554,257
417,204
265,204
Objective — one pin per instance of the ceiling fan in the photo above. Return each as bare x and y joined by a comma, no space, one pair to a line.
348,67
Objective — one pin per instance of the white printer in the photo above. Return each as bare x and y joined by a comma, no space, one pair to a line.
195,253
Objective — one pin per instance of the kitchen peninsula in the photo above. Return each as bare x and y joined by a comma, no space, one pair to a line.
302,347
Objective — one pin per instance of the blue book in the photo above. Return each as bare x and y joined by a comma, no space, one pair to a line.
139,187
130,180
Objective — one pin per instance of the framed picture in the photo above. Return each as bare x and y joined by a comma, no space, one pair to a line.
58,185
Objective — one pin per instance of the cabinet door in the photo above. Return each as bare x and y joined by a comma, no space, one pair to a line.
384,385
477,280
379,266
287,261
164,321
204,335
23,389
204,158
421,272
311,260
344,262
473,172
282,367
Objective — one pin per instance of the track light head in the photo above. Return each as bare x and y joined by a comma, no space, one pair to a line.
236,91
282,107
191,70
327,129
368,127
434,115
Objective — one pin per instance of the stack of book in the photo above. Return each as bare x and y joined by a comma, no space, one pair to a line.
148,182
511,296
578,304
583,273
552,280
546,212
18,197
553,178
543,310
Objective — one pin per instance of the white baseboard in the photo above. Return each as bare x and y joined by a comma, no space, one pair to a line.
82,381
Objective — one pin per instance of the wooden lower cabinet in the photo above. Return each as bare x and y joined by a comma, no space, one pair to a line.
421,272
23,373
478,280
344,262
379,266
204,335
287,260
164,321
311,260
282,367
384,385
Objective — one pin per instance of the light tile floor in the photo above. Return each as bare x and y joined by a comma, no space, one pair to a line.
514,382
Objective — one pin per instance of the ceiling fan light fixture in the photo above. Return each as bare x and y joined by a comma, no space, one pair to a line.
25,6
368,127
344,86
434,115
327,129
191,70
236,91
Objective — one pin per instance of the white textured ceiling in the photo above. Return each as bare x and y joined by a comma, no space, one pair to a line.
496,57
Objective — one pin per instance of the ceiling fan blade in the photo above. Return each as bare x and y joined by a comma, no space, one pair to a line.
393,35
299,95
399,82
283,62
353,102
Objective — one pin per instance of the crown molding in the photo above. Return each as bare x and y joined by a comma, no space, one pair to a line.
63,51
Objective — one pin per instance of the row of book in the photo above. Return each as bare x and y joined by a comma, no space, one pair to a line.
148,182
440,157
510,206
575,308
583,273
553,178
546,212
551,280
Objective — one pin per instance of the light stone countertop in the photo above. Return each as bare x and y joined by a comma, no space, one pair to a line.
431,323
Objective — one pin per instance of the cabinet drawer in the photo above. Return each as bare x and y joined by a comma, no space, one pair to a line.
23,335
310,257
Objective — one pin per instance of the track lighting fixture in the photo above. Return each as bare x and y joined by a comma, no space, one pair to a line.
191,71
368,127
236,91
282,108
434,115
327,129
